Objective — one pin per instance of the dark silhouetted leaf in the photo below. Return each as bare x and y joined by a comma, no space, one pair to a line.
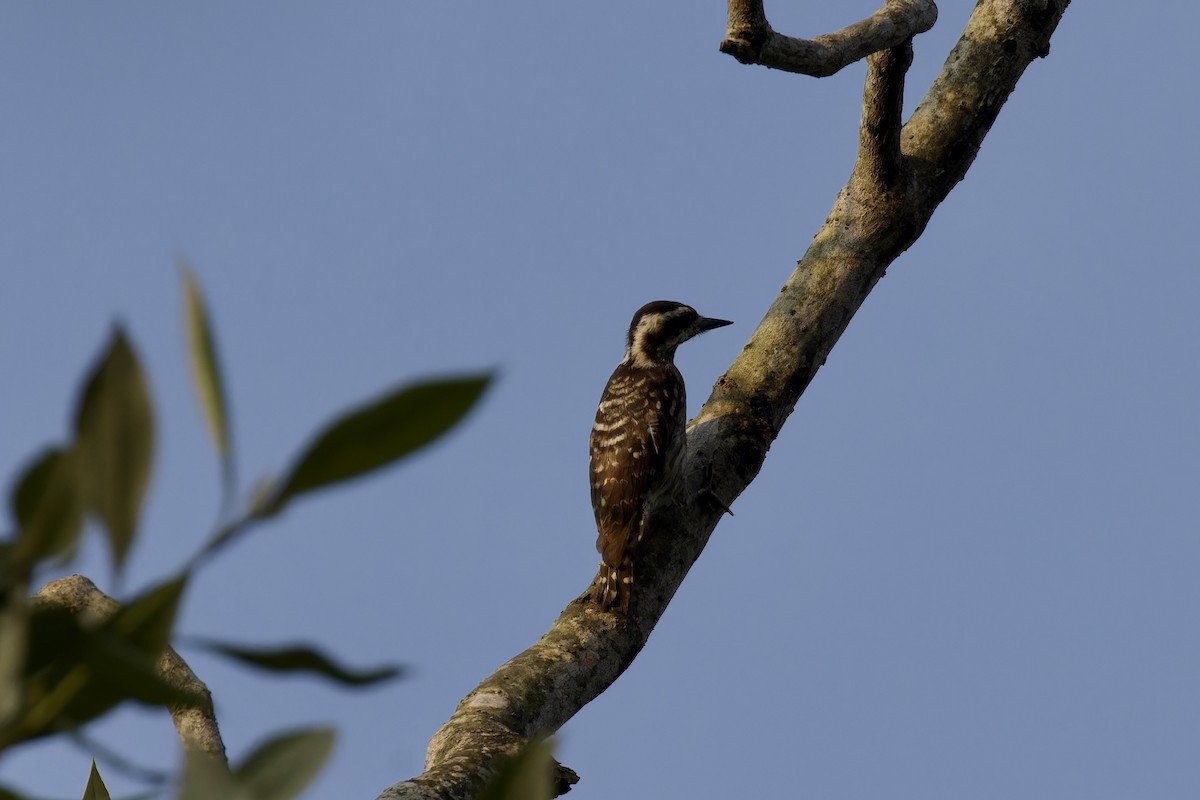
379,434
147,621
206,368
95,789
280,768
54,633
527,775
53,675
68,695
48,508
124,655
76,672
298,659
14,642
119,671
114,430
79,686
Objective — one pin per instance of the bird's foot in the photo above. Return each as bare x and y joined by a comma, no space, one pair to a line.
708,495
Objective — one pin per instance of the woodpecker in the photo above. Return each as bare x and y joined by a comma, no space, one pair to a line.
638,444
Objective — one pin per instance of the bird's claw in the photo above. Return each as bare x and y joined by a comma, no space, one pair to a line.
707,493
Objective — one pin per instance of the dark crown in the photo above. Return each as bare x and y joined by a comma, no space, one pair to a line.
659,327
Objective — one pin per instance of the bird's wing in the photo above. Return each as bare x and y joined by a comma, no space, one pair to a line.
628,446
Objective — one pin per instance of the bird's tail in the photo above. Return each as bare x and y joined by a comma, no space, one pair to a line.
616,586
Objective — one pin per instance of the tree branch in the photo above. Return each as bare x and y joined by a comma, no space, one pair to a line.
750,39
901,176
1001,39
195,724
879,160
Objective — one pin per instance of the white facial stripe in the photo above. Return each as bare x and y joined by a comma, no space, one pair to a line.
656,334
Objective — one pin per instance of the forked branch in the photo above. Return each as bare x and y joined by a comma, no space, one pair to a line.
879,159
901,175
750,39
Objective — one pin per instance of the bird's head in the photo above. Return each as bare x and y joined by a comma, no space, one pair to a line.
660,327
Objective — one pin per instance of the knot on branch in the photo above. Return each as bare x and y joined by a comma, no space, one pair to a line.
746,44
564,779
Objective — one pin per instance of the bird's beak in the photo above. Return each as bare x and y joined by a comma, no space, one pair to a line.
708,323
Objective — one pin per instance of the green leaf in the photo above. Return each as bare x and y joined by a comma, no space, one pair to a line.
124,655
75,672
114,430
527,775
95,789
298,659
278,769
52,675
79,687
378,434
54,633
206,368
281,767
47,506
205,778
14,642
118,671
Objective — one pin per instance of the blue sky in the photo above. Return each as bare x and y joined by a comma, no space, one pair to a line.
968,566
